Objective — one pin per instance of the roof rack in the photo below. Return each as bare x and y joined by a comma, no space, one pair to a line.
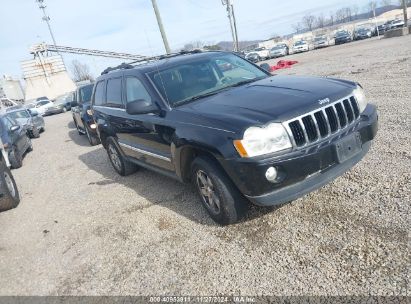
132,64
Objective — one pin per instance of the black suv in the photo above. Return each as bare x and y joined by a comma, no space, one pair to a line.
237,133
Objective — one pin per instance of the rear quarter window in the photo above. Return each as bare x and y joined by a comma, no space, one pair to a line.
99,98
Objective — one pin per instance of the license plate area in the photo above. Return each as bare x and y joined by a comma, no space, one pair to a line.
348,147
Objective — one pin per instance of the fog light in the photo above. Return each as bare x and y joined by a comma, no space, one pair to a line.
271,174
93,126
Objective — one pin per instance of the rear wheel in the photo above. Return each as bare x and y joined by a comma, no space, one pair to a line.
30,148
9,194
222,200
117,159
35,133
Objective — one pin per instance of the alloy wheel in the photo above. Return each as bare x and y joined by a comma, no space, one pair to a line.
207,191
115,157
9,184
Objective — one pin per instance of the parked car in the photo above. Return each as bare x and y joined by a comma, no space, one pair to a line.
262,52
321,41
82,114
362,33
42,106
379,30
29,119
342,37
9,193
253,57
63,103
20,143
239,137
279,50
300,46
393,24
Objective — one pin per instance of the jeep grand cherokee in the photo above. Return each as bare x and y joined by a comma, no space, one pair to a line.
238,134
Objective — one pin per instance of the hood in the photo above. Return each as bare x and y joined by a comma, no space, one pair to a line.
273,99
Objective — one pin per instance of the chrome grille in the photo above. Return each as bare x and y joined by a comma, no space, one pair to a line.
322,123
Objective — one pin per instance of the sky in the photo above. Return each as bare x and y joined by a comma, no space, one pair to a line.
130,25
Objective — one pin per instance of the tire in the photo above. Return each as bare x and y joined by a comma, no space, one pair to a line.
30,148
227,205
35,133
64,110
117,159
9,194
16,160
78,130
91,139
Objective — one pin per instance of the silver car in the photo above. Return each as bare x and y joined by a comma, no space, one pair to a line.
279,50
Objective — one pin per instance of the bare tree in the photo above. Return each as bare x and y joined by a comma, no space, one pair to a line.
331,20
297,27
386,2
340,16
320,22
354,10
372,5
81,71
308,21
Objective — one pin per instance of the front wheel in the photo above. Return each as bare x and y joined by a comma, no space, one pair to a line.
222,200
117,160
35,133
16,159
9,194
91,139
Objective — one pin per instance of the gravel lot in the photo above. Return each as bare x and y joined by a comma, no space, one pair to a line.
83,230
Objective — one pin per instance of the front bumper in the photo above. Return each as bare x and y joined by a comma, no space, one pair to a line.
303,170
52,111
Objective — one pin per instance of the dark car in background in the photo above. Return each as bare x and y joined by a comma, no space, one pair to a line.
63,103
239,136
379,30
20,143
29,119
362,33
82,113
342,37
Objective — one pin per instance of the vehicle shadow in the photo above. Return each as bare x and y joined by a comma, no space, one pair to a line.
71,125
180,198
78,139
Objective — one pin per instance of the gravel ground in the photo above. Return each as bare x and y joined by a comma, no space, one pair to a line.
83,230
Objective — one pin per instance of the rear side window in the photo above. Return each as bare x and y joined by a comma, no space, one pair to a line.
114,92
135,90
85,93
99,94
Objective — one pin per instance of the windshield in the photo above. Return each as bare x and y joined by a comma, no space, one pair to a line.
319,38
188,81
341,34
19,114
278,47
260,49
85,93
300,43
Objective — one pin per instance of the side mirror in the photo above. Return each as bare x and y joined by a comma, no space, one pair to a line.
141,106
266,67
14,128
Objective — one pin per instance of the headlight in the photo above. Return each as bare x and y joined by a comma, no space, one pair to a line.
259,141
360,97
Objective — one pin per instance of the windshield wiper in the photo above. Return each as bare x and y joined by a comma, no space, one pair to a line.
240,83
198,97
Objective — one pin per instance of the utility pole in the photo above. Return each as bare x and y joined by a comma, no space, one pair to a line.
46,18
404,8
160,25
233,26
